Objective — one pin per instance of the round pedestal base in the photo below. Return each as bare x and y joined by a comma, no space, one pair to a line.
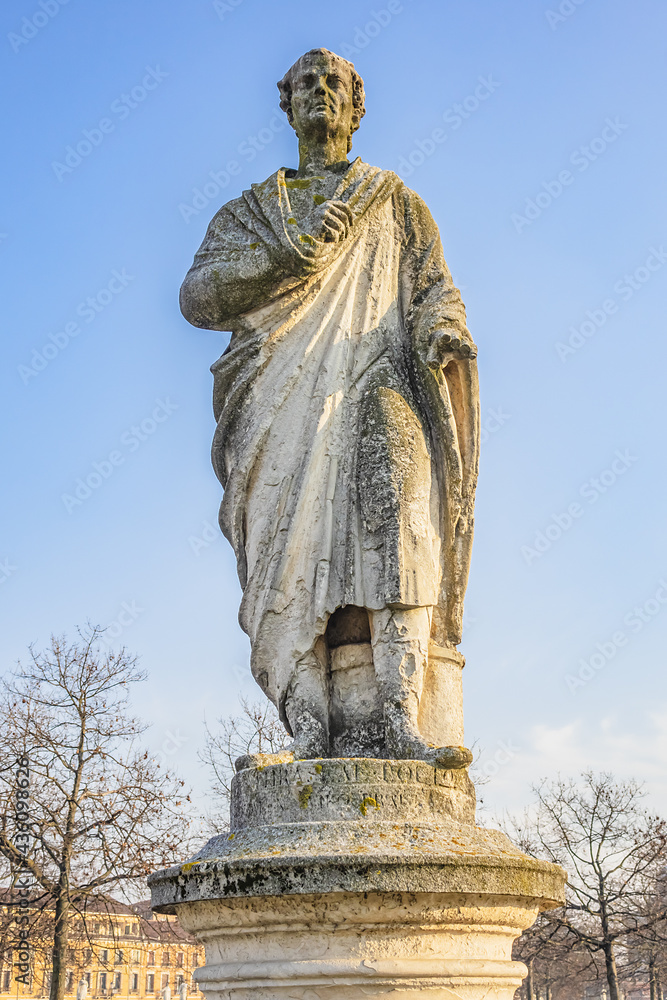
349,879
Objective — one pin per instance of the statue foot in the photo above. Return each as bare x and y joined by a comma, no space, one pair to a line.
309,746
254,760
406,743
445,758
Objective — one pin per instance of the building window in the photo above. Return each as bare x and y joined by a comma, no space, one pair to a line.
86,976
127,930
116,982
104,956
69,983
136,955
97,928
179,959
102,980
165,979
134,982
119,959
87,956
6,980
166,960
135,929
150,982
151,958
179,982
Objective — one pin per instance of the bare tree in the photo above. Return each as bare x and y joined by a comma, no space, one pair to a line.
558,964
614,851
96,813
646,952
256,730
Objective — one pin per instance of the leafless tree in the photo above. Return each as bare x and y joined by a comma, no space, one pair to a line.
101,813
614,851
257,729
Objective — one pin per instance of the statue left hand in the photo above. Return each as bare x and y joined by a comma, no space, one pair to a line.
446,346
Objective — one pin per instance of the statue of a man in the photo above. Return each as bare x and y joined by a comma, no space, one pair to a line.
347,420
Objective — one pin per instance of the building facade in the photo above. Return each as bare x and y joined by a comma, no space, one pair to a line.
118,951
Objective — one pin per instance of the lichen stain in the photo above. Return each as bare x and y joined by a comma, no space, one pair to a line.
304,796
368,801
302,183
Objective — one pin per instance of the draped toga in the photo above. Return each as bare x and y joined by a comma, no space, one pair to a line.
348,464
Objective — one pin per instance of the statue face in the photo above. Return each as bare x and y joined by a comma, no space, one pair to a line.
322,98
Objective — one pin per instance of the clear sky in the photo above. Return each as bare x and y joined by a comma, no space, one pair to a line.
536,134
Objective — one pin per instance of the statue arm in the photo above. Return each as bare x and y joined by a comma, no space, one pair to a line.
233,272
436,323
434,302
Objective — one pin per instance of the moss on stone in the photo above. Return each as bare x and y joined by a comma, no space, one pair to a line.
365,805
304,796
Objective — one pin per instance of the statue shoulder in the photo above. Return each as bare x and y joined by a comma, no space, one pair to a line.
418,223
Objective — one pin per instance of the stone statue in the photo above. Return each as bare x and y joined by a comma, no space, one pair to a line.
82,989
347,445
347,437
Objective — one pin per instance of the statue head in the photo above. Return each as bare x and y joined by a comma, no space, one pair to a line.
322,94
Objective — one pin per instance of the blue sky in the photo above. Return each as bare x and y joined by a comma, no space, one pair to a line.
535,133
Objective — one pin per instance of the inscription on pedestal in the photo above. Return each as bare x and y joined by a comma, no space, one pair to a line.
354,789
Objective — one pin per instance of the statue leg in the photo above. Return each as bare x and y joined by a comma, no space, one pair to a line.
307,705
400,637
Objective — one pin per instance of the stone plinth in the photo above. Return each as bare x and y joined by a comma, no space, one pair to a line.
355,878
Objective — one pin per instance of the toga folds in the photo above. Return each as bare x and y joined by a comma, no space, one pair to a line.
348,464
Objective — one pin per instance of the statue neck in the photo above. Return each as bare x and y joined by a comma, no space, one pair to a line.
314,157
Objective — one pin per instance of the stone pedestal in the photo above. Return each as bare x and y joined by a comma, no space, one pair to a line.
356,878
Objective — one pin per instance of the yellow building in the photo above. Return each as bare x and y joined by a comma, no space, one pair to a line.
124,952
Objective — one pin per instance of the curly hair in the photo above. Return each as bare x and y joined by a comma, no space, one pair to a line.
358,95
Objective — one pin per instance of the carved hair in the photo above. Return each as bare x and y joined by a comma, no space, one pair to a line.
358,95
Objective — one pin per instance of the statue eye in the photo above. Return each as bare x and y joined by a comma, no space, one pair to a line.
308,80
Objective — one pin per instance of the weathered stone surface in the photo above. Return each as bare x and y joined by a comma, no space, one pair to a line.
348,947
354,877
347,443
352,825
347,435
